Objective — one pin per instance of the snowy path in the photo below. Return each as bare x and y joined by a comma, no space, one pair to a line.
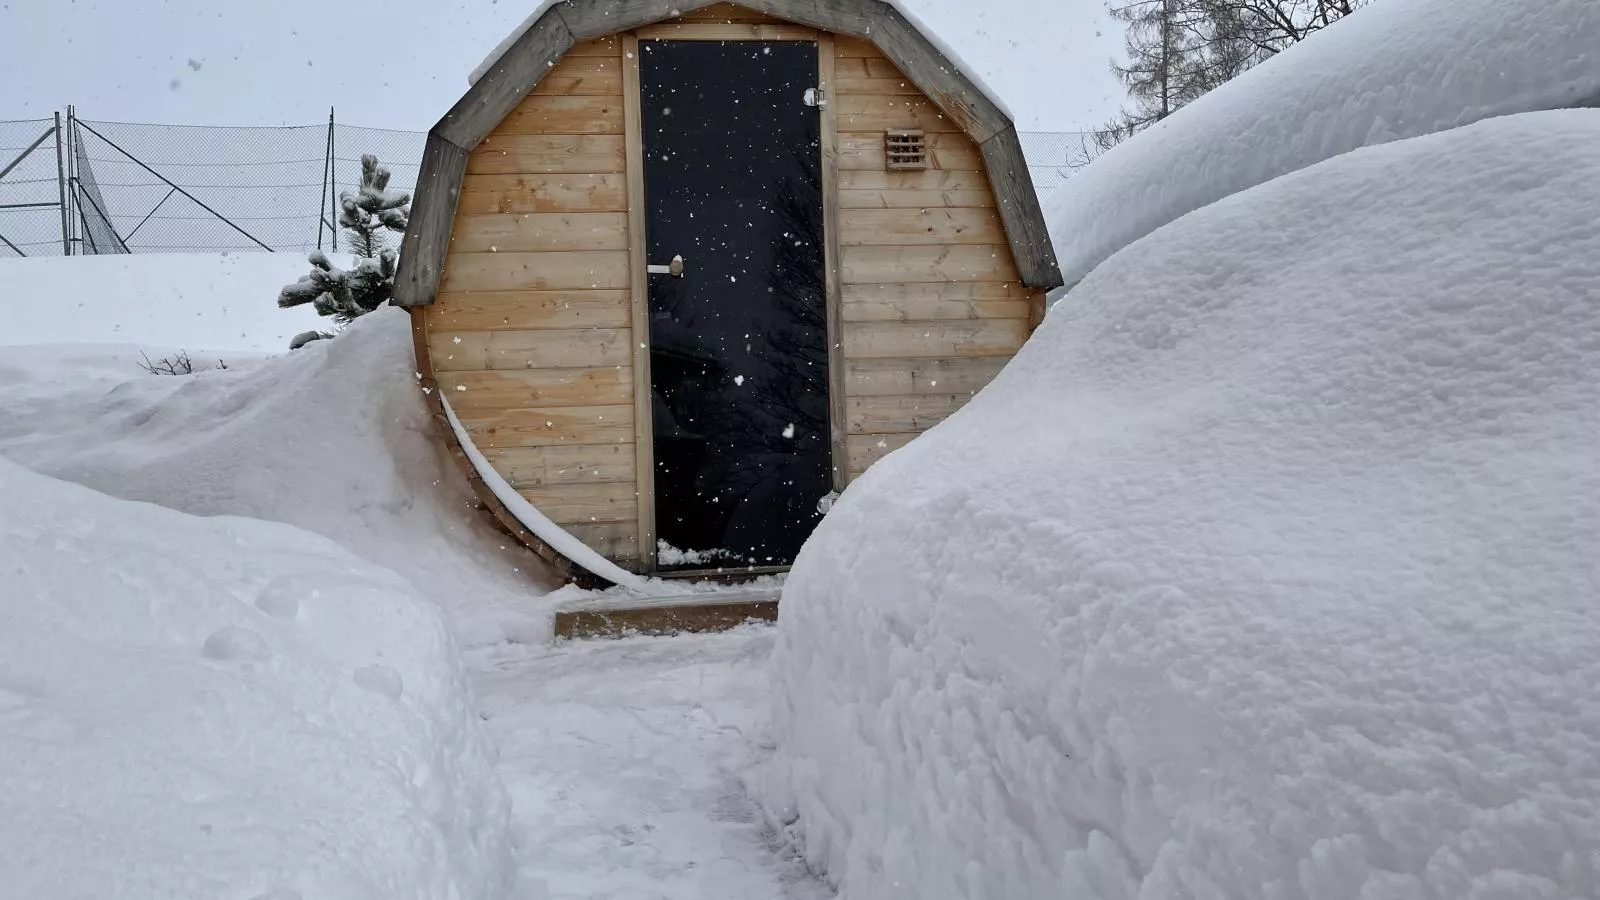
623,759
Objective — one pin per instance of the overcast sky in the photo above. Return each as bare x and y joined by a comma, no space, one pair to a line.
401,63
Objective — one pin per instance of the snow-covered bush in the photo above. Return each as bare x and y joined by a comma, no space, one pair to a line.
1267,569
223,707
1399,69
343,294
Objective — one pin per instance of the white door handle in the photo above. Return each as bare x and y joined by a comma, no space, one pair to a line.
675,269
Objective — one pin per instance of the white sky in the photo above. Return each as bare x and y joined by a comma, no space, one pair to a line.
401,63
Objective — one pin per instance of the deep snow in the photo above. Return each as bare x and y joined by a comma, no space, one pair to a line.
227,708
1399,69
1267,569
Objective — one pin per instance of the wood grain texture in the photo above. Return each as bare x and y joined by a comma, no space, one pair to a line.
511,232
533,154
833,288
932,225
866,449
584,503
583,76
474,391
540,427
934,309
540,114
556,271
520,69
590,18
902,377
904,265
616,541
882,199
951,338
608,45
902,415
1020,210
706,31
524,310
526,193
468,351
940,79
862,112
726,14
427,239
526,467
639,313
945,151
845,17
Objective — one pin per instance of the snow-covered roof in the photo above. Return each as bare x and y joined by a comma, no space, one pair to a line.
1396,70
899,5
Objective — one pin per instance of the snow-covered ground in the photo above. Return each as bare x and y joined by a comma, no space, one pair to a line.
1267,569
228,698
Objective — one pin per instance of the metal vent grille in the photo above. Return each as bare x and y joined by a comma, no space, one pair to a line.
906,149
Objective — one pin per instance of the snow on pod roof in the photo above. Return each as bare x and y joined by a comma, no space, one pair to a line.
1397,70
899,6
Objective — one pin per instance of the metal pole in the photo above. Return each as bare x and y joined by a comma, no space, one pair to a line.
327,161
333,184
61,183
72,180
24,155
12,246
172,184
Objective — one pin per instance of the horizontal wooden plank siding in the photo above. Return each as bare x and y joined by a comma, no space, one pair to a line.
517,389
548,193
457,351
585,503
530,310
564,114
534,427
932,304
616,541
527,467
523,154
564,270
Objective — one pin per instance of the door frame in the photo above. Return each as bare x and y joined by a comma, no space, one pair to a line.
639,283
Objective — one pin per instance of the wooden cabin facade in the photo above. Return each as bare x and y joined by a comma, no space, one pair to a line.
604,220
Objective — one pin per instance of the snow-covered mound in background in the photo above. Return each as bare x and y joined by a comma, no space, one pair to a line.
214,302
333,438
1397,69
1268,569
227,708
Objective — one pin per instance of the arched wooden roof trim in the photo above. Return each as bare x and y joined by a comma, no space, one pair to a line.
534,53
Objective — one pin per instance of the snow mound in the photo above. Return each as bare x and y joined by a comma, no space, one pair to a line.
334,438
1398,69
1266,570
227,708
220,303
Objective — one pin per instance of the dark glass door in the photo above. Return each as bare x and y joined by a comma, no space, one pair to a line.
738,335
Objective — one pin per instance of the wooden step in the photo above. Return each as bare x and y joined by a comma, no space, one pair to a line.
621,616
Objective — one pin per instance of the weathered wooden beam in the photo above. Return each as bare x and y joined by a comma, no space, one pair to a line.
427,237
1020,212
587,19
664,618
936,75
493,97
852,17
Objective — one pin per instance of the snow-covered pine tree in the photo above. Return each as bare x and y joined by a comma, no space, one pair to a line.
365,215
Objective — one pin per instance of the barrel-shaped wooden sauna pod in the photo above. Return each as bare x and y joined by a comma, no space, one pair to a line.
713,265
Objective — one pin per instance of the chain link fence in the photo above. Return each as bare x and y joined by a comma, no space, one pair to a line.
70,185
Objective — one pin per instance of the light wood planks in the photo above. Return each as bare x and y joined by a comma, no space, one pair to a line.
945,151
878,112
900,377
547,193
909,265
871,227
529,467
902,415
639,285
585,503
541,427
535,310
616,541
552,271
920,340
470,391
833,287
467,351
564,114
521,154
866,449
935,302
597,76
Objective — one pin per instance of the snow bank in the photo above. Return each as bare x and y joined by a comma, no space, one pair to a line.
1266,570
227,708
333,438
212,302
1398,69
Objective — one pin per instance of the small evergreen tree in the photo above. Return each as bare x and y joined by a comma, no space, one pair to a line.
365,215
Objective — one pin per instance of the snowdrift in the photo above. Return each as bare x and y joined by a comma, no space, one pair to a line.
333,438
227,708
1399,69
1266,570
217,302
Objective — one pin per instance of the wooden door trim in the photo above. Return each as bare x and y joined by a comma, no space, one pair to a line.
639,285
710,31
838,430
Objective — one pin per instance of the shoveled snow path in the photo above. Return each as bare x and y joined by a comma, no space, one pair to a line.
624,760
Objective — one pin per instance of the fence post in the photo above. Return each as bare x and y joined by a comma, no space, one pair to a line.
333,184
61,187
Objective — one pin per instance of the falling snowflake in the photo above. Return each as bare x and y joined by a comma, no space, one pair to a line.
788,430
738,380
